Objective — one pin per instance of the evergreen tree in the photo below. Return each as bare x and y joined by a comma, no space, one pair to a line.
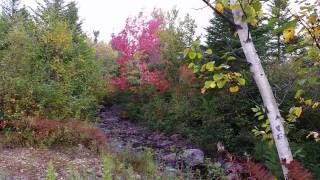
58,10
222,40
278,17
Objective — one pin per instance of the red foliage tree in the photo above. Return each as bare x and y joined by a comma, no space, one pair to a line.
139,47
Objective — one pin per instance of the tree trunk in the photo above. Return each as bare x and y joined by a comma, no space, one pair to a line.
265,90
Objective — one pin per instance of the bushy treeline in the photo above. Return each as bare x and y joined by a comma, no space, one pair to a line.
48,67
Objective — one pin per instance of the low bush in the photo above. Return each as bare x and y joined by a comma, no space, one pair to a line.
52,133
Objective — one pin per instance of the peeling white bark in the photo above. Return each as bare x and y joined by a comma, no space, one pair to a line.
266,93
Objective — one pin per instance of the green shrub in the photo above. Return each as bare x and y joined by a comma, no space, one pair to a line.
47,67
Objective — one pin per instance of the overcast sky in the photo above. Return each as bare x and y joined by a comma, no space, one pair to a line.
108,16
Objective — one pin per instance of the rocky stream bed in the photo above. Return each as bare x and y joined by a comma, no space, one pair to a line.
168,149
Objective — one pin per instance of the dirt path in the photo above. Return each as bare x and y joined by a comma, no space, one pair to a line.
31,164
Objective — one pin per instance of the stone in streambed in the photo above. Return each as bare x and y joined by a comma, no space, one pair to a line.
175,137
170,158
193,157
163,144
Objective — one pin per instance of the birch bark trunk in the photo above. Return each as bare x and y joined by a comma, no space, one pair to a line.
273,113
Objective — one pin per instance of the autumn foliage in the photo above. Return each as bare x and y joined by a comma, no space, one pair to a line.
139,47
52,133
297,171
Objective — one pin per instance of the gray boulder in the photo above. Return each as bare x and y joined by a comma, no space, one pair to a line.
193,157
170,158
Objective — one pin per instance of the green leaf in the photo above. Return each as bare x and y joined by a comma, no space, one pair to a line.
231,58
234,6
221,83
191,65
210,66
199,54
303,71
192,55
241,81
258,114
255,109
195,69
207,84
256,5
186,52
208,51
261,117
298,93
268,129
217,77
203,68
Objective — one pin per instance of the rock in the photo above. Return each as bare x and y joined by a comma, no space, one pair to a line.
164,143
170,158
157,136
137,176
175,137
89,171
99,174
193,157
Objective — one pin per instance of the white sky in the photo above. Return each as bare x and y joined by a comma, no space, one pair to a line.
108,16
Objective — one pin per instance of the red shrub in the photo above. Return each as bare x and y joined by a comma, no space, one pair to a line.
50,133
258,171
297,171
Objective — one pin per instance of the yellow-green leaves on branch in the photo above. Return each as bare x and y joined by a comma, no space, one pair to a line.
264,130
220,80
294,114
215,76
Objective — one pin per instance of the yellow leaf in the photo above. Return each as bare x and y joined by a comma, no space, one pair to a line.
237,74
219,7
234,89
210,67
312,20
308,102
315,105
203,68
288,34
213,85
297,111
